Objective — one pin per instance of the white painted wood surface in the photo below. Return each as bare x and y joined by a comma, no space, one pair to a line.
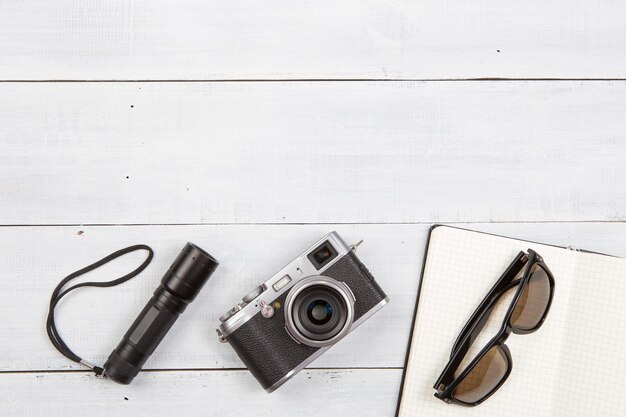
254,171
246,39
366,152
369,392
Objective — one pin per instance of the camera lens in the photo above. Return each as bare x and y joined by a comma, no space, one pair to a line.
314,310
319,311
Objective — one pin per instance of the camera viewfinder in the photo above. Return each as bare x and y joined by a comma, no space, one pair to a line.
321,255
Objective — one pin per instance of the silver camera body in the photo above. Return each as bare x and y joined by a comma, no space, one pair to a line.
288,321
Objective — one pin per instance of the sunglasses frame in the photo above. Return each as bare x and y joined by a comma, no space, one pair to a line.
447,382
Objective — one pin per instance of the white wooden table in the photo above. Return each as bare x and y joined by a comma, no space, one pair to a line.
254,128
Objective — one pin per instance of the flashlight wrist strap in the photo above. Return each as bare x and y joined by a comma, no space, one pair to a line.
59,292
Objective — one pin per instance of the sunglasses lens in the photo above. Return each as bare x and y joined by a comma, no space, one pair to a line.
533,301
483,379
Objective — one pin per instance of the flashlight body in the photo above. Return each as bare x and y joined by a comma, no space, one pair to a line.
179,286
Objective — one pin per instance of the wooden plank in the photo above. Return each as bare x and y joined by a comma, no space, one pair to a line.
190,40
214,393
79,153
93,320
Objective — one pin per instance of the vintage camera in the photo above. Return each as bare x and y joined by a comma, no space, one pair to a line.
292,318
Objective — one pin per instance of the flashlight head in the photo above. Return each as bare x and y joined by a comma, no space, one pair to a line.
189,272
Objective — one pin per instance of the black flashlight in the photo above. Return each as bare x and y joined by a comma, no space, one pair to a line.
179,287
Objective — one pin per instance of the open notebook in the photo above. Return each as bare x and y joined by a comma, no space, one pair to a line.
574,365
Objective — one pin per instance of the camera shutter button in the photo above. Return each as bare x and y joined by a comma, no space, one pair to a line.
267,310
252,294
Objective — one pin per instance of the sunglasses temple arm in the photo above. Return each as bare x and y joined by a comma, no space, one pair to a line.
504,283
472,332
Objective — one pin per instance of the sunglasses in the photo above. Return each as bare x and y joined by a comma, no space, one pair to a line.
492,366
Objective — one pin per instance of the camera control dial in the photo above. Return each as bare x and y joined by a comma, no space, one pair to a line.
253,294
231,312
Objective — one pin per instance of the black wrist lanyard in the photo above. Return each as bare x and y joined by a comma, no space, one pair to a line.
59,293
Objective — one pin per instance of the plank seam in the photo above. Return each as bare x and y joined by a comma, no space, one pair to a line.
608,221
87,371
312,80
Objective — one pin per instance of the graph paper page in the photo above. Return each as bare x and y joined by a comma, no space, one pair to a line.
593,364
461,267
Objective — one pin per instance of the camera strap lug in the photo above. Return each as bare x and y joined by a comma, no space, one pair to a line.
221,337
354,247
